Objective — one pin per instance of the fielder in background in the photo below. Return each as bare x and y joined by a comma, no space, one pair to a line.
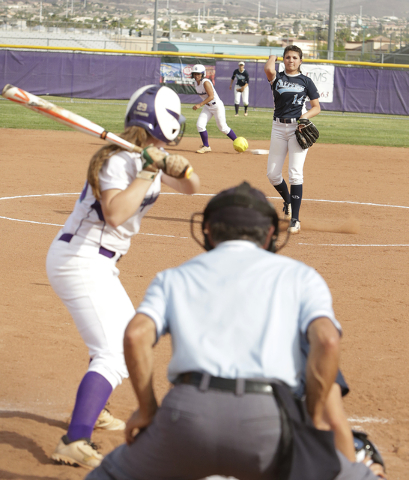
290,89
211,106
81,262
235,315
241,88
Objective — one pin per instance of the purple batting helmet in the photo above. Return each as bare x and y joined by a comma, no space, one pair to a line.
157,109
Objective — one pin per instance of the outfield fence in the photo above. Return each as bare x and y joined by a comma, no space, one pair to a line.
85,73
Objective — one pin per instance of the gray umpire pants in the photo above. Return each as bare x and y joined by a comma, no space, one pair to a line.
197,434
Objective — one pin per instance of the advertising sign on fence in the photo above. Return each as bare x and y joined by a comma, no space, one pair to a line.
323,78
176,73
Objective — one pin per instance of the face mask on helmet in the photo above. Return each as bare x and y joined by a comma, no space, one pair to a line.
242,206
157,109
199,69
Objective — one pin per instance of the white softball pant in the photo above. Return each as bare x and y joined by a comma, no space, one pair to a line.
219,113
283,140
87,283
237,95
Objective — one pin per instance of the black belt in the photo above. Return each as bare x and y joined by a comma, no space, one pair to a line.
226,384
286,120
66,237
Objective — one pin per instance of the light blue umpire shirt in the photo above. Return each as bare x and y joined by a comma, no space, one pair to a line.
237,312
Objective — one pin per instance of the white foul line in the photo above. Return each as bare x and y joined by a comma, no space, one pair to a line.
212,195
304,200
354,245
368,420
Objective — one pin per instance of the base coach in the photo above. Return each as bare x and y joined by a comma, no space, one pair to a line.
236,315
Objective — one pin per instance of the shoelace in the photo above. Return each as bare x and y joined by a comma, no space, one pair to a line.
94,446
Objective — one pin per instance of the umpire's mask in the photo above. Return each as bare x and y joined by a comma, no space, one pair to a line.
241,206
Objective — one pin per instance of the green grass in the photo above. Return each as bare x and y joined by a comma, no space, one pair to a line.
334,127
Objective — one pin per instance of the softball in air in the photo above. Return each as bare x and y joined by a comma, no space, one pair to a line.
240,144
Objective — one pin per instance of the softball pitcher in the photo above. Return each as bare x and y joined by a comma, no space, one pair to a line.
290,89
81,262
241,88
212,106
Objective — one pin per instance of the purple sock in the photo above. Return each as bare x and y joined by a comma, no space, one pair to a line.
92,396
205,138
232,135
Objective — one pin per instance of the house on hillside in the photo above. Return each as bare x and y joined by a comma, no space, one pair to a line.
374,48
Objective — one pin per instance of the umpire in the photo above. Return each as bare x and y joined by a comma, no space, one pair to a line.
235,315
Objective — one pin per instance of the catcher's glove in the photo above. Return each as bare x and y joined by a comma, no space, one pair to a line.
308,134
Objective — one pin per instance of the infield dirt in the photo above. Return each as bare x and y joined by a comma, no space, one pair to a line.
355,233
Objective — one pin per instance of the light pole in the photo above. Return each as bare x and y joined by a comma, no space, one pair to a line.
363,40
331,27
155,27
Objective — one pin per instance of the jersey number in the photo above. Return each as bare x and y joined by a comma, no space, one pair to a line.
300,100
142,106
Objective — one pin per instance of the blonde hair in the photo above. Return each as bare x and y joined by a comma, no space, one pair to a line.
137,135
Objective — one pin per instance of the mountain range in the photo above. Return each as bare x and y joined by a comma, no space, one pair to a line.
374,8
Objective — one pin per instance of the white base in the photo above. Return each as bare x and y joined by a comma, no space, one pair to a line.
258,151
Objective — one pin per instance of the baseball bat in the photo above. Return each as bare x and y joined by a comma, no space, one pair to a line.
70,119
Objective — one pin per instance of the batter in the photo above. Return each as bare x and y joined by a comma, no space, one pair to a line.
212,106
82,260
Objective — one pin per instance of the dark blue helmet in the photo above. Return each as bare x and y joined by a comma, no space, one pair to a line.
157,109
365,448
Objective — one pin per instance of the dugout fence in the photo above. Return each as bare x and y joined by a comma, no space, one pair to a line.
111,74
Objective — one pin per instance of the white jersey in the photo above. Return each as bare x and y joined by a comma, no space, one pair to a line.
87,220
200,89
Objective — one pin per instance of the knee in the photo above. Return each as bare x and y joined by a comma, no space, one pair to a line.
111,366
275,178
200,128
295,178
224,129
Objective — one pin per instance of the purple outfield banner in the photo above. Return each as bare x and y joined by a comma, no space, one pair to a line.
116,77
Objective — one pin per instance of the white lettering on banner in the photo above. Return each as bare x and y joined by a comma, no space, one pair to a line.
323,78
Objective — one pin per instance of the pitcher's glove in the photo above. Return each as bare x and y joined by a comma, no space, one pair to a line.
308,134
154,159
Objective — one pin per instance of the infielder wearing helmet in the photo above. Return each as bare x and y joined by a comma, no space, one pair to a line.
241,88
290,89
81,262
212,106
198,69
